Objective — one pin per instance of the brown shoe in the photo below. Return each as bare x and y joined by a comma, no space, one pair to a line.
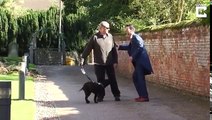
137,98
142,99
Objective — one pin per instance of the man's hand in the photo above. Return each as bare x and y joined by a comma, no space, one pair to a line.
116,45
130,59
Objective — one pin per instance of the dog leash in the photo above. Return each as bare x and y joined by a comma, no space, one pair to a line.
84,73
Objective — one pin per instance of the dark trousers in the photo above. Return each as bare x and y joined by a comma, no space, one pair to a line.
139,80
100,71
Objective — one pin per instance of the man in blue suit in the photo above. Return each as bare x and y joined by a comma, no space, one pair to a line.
140,60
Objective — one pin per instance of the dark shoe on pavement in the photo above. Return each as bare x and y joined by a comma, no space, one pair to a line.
142,99
100,99
117,99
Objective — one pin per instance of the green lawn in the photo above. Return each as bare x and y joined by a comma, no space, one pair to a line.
21,109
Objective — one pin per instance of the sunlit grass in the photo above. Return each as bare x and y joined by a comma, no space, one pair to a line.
13,77
21,109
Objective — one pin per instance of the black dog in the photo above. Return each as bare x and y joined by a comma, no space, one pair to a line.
93,87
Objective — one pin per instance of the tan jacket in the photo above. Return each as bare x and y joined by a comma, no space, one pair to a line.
105,52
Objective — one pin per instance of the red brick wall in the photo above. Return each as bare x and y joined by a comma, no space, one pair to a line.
180,58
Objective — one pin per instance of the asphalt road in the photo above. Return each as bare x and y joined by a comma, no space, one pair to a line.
63,84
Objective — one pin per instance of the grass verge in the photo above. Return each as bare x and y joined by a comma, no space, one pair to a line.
21,109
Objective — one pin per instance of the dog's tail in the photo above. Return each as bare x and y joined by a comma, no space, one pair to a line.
81,89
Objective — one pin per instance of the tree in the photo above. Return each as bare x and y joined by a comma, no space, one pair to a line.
4,29
139,12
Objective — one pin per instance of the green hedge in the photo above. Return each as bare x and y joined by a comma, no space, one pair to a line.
76,28
44,25
22,28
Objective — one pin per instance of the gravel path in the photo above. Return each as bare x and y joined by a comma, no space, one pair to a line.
45,108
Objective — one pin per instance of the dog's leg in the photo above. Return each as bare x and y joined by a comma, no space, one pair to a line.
87,94
101,94
95,98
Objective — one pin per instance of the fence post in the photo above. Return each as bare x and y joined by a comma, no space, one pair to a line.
22,74
26,60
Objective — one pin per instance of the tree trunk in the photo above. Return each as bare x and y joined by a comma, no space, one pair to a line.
181,10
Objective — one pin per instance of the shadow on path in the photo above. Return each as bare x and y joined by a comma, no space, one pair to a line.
63,84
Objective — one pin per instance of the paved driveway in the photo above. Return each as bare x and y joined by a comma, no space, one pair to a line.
62,84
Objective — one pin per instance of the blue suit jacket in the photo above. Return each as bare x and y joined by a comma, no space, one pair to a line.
137,51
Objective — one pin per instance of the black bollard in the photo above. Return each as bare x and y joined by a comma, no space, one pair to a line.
5,100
